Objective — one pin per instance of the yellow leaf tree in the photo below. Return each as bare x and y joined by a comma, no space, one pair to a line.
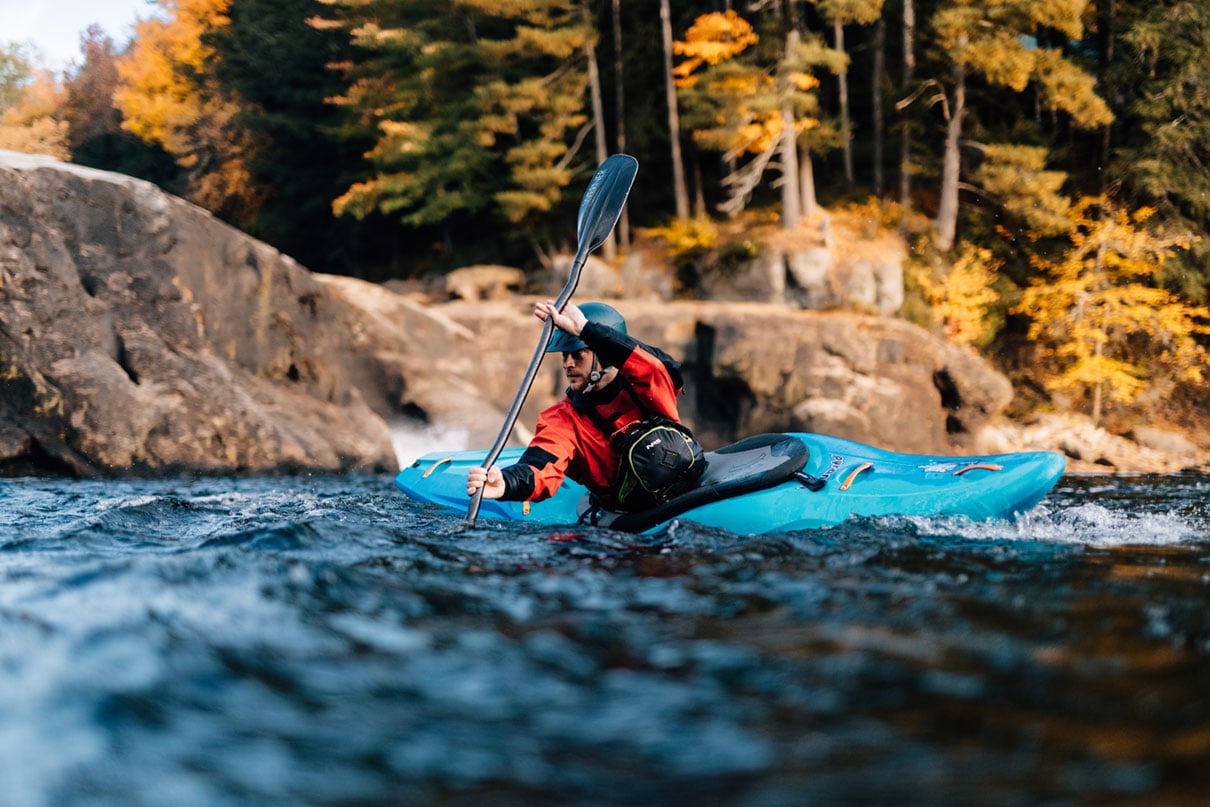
34,124
1097,312
962,299
169,97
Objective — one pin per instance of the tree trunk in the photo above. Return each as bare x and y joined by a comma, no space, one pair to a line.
946,224
846,136
806,183
791,212
909,70
879,78
1098,350
1105,21
679,189
1098,391
609,248
620,112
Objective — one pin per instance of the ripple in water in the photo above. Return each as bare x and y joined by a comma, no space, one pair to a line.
322,640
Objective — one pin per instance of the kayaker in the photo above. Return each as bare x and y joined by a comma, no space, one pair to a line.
617,431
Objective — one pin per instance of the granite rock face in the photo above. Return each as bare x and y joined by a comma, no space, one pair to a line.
861,272
139,334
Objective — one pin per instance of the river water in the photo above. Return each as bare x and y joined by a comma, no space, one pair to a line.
320,640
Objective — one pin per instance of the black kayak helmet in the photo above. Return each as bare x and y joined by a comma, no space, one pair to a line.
600,313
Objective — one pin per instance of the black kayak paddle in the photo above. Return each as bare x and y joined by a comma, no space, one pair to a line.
599,211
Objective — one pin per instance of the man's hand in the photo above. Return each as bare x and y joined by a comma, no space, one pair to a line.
476,477
571,320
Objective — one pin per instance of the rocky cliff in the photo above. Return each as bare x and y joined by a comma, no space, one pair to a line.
140,335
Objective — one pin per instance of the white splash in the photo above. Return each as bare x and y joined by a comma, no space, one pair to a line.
1088,524
412,440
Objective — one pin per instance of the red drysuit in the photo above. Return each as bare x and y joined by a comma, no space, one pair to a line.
569,441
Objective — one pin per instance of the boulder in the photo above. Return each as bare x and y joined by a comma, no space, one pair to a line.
812,270
139,334
1178,450
598,280
841,266
814,278
1090,447
484,282
879,381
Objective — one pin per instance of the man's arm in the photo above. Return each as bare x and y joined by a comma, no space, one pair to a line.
539,471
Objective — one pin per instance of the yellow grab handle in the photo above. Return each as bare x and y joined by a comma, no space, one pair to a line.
435,466
865,466
979,466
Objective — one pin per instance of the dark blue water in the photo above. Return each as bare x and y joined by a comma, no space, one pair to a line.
324,641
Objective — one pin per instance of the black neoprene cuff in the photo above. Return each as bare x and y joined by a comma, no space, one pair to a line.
518,483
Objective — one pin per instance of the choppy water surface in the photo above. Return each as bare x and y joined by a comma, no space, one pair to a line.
323,640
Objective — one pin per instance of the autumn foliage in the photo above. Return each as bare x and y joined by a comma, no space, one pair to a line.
33,125
169,96
1057,152
1100,317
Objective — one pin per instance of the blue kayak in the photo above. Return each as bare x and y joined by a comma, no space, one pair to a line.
777,483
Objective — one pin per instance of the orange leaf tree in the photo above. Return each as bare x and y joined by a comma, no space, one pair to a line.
34,123
741,97
169,97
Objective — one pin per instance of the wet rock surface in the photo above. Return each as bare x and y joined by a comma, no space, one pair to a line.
140,334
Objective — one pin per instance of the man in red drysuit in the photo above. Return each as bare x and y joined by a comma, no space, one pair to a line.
614,382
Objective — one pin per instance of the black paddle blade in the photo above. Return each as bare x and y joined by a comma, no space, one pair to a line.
604,199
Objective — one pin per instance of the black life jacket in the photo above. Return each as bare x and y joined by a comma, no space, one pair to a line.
657,457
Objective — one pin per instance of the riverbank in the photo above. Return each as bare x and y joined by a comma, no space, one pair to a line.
189,347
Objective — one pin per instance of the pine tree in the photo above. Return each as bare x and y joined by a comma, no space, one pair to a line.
1164,157
477,109
1016,176
278,65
